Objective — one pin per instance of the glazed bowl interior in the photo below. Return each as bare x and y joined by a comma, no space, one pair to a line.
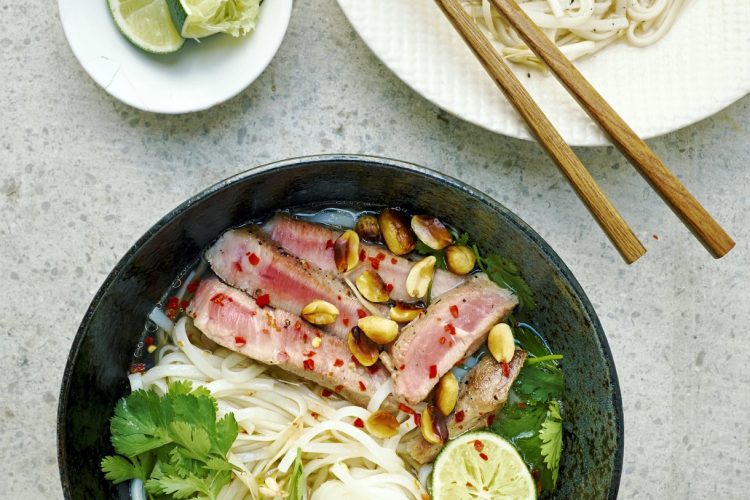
96,373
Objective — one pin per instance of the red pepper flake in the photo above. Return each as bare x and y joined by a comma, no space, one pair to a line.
338,362
402,367
339,297
362,255
394,260
327,393
304,337
450,328
459,362
442,340
469,485
389,287
314,414
380,256
478,445
361,313
521,405
148,340
240,341
192,287
338,388
506,369
358,422
483,456
362,386
459,417
345,321
433,371
137,368
490,419
309,354
266,331
308,364
263,300
418,419
406,409
373,368
254,259
375,263
171,313
329,244
238,266
454,310
297,326
173,302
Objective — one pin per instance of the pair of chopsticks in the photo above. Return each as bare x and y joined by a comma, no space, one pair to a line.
679,199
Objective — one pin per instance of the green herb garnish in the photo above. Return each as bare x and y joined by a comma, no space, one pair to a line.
173,443
551,436
297,484
506,274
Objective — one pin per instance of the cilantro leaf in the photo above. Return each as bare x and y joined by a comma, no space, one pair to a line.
297,484
506,274
540,382
173,443
439,255
551,436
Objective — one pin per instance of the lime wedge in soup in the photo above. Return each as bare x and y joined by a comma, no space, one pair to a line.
481,465
201,18
147,24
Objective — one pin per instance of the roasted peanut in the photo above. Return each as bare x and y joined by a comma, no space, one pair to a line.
500,343
396,232
431,231
446,393
372,287
433,426
346,251
365,350
379,330
382,424
320,312
460,259
403,312
419,277
367,227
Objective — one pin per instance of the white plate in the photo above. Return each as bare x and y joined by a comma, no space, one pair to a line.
196,77
700,67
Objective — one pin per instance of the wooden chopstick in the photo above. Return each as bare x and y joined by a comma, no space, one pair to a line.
571,166
679,199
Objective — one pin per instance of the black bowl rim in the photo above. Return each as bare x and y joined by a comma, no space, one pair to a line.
292,163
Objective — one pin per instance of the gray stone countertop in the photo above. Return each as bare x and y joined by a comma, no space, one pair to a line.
82,176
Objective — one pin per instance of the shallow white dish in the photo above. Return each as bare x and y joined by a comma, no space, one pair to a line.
196,77
700,67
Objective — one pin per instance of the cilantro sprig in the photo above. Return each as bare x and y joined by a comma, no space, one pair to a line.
173,443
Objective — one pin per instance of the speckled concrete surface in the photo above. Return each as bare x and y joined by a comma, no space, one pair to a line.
83,176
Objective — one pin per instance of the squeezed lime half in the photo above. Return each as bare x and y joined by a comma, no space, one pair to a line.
147,24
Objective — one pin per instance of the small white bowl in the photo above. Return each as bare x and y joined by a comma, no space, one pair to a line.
197,77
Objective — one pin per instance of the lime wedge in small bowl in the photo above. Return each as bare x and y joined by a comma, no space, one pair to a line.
147,24
481,465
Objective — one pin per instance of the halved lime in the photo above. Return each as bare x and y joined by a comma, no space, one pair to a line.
481,465
147,24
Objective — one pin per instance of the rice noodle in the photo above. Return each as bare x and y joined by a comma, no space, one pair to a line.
579,27
380,395
279,413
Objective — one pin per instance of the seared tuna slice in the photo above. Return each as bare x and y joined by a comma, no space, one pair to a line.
250,262
483,392
313,243
232,319
453,327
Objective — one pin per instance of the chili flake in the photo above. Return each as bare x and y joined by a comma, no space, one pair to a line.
483,456
459,416
433,371
338,388
380,256
393,260
358,423
478,445
308,364
238,266
362,255
361,313
240,341
254,259
184,304
389,287
297,325
345,321
192,287
327,393
329,244
442,340
148,340
362,386
454,310
373,368
173,302
218,299
263,300
338,362
450,328
406,409
418,419
506,369
490,419
375,263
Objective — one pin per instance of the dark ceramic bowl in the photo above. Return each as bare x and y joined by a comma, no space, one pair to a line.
95,376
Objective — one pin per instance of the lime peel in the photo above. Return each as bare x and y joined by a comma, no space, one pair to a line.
147,24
